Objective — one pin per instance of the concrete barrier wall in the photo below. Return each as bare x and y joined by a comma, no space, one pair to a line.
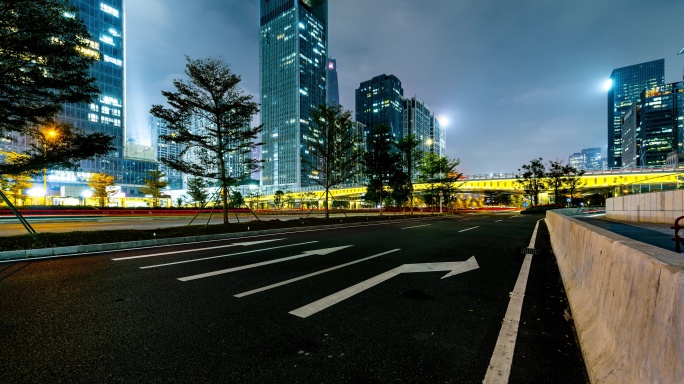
627,301
654,207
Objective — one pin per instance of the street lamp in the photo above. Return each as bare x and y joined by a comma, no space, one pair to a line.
47,135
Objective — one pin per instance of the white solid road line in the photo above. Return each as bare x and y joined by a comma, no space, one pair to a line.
469,229
499,368
417,226
324,251
245,244
228,255
243,294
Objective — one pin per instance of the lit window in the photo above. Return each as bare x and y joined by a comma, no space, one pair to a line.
107,39
92,117
112,60
109,9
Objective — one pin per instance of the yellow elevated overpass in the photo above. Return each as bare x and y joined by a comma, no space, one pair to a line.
617,181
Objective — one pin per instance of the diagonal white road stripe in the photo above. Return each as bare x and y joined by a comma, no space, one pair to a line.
255,265
243,294
245,244
228,255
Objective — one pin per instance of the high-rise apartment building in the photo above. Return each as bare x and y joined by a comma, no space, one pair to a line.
333,85
293,67
627,85
380,101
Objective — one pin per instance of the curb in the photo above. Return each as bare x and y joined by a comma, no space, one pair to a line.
27,254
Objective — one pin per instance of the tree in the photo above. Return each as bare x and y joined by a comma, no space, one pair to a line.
555,178
532,179
211,93
408,148
46,56
573,180
197,190
46,59
154,186
332,147
59,145
439,172
102,184
380,163
278,199
236,200
308,198
16,184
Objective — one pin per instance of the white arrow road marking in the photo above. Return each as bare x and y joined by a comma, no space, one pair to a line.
245,244
266,288
417,226
319,305
469,229
499,368
320,252
228,255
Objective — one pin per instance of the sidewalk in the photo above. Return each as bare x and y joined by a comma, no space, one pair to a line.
659,235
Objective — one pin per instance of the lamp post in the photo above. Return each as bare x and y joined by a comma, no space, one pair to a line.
46,135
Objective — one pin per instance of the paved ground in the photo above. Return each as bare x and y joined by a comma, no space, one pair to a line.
135,316
659,235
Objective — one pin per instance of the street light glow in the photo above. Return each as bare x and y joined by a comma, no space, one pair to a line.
608,85
443,120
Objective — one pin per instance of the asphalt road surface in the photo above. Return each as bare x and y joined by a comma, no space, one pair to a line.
367,304
10,226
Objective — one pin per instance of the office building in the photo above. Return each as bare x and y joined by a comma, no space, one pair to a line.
293,67
438,135
104,20
660,123
418,121
380,101
166,150
333,85
627,85
576,160
592,159
424,125
631,144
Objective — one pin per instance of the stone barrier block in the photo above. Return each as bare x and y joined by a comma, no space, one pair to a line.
627,300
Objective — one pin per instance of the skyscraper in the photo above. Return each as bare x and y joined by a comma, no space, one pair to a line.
104,20
293,67
380,101
333,86
417,120
627,85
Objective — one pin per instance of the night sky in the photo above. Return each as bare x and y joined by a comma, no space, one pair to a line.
517,79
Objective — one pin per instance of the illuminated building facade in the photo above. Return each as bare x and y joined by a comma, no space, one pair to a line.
380,101
627,84
424,125
333,86
576,160
438,135
293,67
593,160
104,20
166,150
661,116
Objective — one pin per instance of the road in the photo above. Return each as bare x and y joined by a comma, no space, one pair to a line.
367,304
10,226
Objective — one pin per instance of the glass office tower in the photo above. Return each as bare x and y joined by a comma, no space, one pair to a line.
104,20
293,64
380,100
333,86
628,83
